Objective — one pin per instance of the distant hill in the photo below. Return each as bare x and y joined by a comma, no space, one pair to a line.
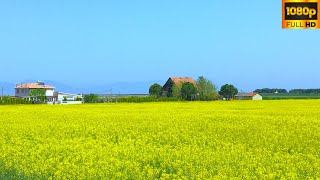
105,88
122,88
61,87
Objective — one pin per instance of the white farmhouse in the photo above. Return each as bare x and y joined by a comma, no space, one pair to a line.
23,91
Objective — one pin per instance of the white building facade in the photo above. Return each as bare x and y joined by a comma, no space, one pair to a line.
68,98
257,97
24,90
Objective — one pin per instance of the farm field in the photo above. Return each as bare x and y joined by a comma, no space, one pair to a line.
166,140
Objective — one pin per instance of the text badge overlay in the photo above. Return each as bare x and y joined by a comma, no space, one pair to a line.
300,14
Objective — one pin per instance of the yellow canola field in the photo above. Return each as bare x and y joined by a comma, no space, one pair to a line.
177,140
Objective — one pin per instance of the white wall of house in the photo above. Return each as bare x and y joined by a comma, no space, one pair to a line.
257,97
49,92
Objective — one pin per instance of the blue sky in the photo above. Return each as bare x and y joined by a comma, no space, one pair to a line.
93,42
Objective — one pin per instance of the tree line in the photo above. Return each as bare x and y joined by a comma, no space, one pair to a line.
305,91
270,90
293,91
93,98
6,100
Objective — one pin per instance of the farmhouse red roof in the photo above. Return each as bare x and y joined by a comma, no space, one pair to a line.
178,80
34,86
251,94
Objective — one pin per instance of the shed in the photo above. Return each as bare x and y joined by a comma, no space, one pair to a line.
248,96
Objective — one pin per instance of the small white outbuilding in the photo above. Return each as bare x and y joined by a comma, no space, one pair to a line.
248,96
257,97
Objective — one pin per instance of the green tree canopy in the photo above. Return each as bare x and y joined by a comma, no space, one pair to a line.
91,98
228,91
273,90
207,90
188,91
38,94
176,90
155,90
305,91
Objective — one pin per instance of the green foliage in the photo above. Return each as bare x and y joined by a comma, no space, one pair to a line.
133,99
188,91
155,90
38,95
228,91
78,99
279,96
305,91
65,99
268,90
292,91
6,100
206,89
91,98
176,90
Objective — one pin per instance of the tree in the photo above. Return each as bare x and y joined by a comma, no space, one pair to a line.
188,91
268,90
38,94
155,90
176,90
91,98
228,91
207,90
305,91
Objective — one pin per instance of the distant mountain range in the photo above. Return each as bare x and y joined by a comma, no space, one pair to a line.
107,88
7,88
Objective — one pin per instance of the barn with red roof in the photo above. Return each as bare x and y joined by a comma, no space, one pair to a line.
176,81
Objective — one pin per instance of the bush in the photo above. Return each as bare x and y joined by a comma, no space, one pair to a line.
91,98
12,100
